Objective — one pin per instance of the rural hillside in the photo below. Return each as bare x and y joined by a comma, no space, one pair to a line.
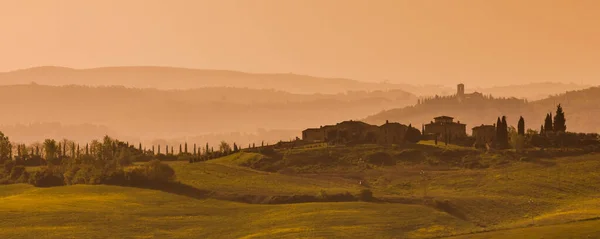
581,107
532,91
149,114
168,78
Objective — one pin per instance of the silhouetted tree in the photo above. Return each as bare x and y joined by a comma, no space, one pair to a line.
560,120
5,148
542,130
235,147
73,149
140,147
548,123
185,148
521,126
50,149
180,149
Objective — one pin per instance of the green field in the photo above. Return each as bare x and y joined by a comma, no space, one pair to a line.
507,197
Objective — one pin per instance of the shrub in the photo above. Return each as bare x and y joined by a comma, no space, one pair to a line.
322,195
8,166
365,195
46,177
157,171
380,158
17,172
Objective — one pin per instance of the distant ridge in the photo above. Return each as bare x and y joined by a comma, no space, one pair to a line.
184,78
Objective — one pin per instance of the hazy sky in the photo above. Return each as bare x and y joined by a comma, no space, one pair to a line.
479,42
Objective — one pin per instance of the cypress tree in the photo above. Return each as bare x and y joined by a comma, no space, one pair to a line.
548,123
152,149
521,126
185,148
78,152
140,147
159,149
504,132
542,130
173,152
560,120
87,149
498,132
166,149
180,149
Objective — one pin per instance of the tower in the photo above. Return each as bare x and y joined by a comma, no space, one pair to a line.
460,90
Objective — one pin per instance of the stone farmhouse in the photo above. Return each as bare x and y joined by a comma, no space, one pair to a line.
444,128
484,135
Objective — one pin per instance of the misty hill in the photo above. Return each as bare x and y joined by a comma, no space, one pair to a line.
168,78
581,109
532,91
155,114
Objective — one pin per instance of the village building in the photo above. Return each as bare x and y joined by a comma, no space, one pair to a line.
444,128
357,132
484,135
392,133
313,135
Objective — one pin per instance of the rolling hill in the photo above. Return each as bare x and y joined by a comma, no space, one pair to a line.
486,202
170,78
149,114
532,91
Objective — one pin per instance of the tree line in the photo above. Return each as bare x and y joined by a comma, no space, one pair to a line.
553,133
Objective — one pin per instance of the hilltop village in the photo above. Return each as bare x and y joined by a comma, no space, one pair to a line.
443,129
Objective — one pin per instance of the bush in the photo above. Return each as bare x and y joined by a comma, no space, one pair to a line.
17,172
8,166
46,177
156,171
380,158
322,195
365,195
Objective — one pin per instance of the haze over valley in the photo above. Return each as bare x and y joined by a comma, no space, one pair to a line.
250,119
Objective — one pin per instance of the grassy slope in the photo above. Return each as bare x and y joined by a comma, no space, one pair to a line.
117,212
563,190
584,229
224,175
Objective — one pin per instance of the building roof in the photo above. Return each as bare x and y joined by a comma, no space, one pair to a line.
311,129
484,126
443,117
